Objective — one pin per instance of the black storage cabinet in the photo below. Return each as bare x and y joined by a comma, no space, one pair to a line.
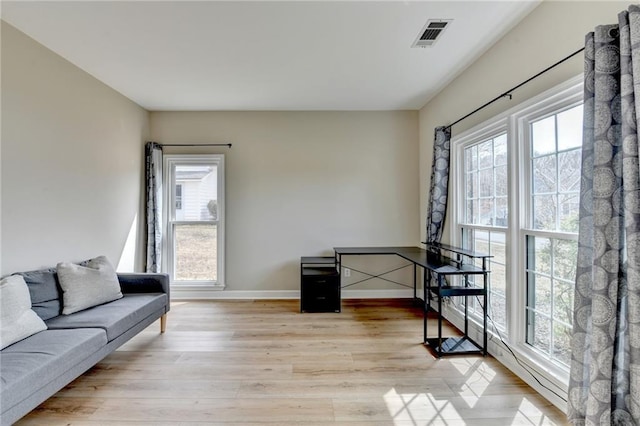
319,285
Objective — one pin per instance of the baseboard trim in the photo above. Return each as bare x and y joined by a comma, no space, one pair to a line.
209,294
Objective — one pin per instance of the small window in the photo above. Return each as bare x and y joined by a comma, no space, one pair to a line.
195,219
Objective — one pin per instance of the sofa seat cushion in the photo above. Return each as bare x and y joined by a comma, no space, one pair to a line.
31,363
114,317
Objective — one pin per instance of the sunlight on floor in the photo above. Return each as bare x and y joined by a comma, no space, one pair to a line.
472,403
478,375
423,407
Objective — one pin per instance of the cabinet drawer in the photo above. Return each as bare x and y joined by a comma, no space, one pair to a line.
320,293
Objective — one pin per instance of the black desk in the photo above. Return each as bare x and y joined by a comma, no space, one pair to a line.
437,266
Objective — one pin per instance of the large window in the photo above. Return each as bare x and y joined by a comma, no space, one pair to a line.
517,198
485,217
551,238
194,190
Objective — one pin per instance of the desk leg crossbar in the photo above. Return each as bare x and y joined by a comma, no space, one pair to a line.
380,276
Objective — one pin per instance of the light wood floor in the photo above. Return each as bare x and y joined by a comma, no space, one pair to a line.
258,362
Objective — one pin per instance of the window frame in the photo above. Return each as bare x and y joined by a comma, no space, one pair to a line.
492,130
515,121
168,241
538,111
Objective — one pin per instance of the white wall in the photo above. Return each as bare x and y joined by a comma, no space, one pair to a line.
549,33
301,183
71,161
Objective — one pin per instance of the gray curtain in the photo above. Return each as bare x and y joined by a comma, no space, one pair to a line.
437,208
153,179
604,387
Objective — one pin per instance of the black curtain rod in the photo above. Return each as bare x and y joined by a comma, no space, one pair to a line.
195,144
508,92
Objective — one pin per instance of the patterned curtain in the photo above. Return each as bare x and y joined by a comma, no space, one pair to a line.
153,179
438,193
604,387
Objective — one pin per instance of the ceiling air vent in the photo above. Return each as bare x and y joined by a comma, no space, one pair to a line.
431,32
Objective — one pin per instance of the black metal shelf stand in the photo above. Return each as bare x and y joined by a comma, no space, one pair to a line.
456,262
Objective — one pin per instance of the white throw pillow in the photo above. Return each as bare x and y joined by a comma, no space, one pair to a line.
17,320
87,286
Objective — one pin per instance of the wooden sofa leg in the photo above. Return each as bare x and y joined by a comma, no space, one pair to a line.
163,323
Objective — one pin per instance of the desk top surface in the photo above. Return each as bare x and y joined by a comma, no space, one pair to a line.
416,255
376,250
408,249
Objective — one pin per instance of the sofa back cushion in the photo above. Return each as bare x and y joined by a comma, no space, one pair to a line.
87,286
45,292
17,320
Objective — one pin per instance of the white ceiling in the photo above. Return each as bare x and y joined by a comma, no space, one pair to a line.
267,55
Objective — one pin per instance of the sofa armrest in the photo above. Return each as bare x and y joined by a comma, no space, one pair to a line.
144,282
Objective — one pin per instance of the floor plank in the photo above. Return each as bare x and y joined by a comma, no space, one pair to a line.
262,362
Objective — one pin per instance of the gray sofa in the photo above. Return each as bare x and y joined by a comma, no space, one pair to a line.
37,367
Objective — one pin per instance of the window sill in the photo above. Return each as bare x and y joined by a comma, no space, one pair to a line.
195,291
198,284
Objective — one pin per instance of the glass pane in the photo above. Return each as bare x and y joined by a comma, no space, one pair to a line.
569,210
485,178
498,310
498,280
539,256
472,185
498,240
540,327
502,212
500,150
178,199
485,155
540,293
199,186
481,241
196,252
570,128
562,343
565,254
501,180
543,133
569,170
473,215
544,174
473,306
471,158
563,301
467,238
486,212
544,212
